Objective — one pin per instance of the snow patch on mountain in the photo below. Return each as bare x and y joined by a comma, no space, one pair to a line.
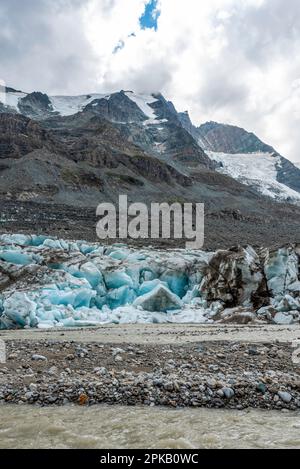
63,105
258,170
143,101
69,105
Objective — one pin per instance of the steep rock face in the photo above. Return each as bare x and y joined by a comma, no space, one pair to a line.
230,139
288,174
188,125
36,105
117,108
20,136
170,143
96,141
163,109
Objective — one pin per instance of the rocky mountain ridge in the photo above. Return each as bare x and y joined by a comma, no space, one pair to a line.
68,153
152,122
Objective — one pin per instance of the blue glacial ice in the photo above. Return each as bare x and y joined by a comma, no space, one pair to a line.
159,299
17,257
48,282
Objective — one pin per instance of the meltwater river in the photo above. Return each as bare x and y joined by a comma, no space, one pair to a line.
130,427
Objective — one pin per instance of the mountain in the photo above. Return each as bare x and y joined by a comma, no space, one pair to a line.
230,139
245,157
147,120
61,156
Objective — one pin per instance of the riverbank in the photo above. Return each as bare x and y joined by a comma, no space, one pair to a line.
234,367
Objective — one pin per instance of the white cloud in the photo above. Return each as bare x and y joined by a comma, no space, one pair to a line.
234,61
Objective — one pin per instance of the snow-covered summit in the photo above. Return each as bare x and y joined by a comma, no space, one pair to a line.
69,105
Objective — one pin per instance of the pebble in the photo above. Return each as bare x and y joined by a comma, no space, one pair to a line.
261,387
228,392
117,351
32,387
253,351
168,386
285,396
100,371
212,383
37,357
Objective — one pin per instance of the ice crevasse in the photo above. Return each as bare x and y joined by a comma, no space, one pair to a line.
47,282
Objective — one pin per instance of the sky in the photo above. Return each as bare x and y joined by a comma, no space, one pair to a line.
230,61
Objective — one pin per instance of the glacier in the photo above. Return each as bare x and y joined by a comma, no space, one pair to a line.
47,282
257,170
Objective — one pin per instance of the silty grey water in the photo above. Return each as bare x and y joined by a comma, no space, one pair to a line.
142,427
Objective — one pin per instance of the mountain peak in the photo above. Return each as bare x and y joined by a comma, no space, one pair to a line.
228,138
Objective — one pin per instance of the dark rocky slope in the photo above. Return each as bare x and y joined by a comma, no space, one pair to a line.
60,168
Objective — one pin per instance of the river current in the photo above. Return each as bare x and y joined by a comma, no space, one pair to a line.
131,427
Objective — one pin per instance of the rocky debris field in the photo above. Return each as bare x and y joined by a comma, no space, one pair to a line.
48,282
220,374
224,227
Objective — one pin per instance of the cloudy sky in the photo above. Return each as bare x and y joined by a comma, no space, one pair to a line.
233,61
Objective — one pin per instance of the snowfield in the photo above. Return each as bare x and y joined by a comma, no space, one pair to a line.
69,105
258,170
143,102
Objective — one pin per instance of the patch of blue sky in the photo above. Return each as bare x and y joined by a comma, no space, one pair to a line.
150,16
